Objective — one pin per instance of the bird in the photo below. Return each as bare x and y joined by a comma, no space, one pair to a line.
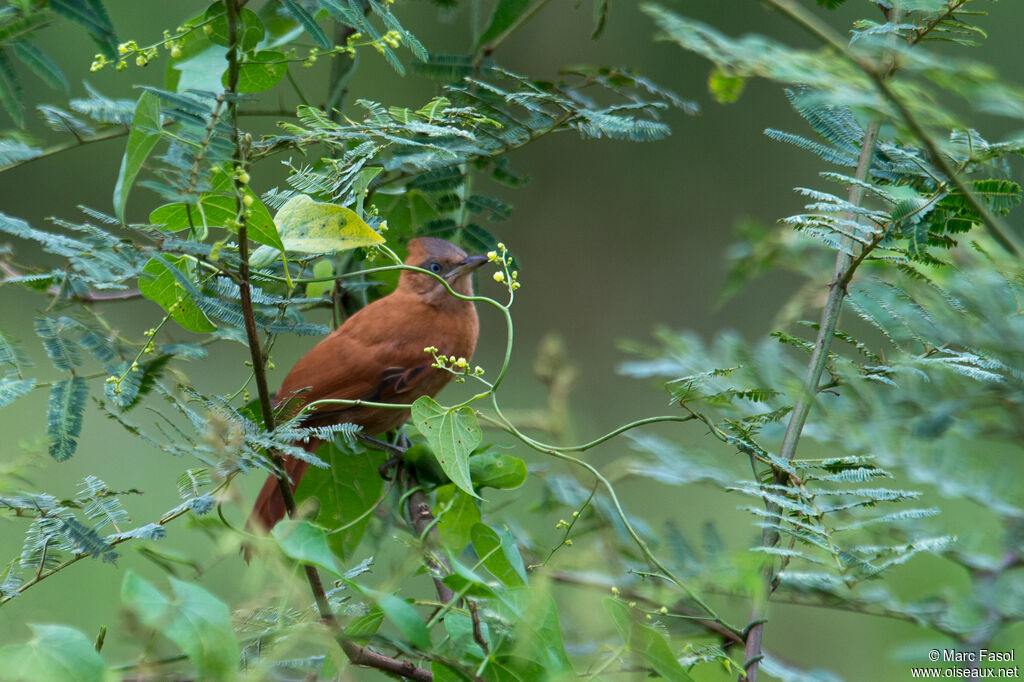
379,355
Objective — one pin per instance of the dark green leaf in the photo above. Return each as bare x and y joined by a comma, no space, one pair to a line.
497,470
64,416
457,514
250,29
346,490
41,65
261,72
499,554
308,23
505,14
93,16
10,91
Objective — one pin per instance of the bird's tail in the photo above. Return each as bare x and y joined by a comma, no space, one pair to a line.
269,506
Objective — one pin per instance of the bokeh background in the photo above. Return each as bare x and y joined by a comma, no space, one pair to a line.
613,238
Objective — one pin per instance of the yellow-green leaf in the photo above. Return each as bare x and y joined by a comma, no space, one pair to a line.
308,226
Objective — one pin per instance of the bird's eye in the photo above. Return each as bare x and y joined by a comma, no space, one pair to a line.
435,268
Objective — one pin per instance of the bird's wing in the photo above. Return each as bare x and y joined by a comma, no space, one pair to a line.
367,358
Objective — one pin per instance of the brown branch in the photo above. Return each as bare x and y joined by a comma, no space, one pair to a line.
358,655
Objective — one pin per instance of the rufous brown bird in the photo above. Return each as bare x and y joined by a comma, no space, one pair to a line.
378,355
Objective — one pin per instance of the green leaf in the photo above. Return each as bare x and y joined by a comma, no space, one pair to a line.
646,642
144,135
365,625
10,91
401,613
212,210
499,554
195,620
261,72
345,490
308,23
307,226
12,388
538,651
304,542
505,14
322,268
40,64
64,416
452,435
457,514
219,209
163,288
460,632
56,653
250,29
91,15
443,672
497,470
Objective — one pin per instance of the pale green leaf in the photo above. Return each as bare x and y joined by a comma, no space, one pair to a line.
304,542
56,653
145,133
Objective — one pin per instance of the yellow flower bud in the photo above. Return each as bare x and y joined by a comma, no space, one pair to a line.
208,29
663,610
243,178
247,200
499,277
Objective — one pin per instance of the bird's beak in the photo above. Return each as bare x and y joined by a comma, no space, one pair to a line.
465,267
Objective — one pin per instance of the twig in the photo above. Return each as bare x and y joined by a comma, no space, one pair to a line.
358,655
119,131
478,634
424,526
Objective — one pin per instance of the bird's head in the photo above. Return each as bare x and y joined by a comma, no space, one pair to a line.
443,259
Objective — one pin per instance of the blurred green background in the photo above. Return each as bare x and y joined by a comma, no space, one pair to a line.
613,238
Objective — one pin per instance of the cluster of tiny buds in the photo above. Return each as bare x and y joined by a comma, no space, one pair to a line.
144,55
458,366
392,39
504,276
632,604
